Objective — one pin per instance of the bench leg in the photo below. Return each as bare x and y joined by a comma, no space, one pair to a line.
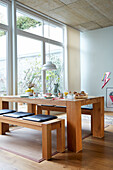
4,127
47,112
31,108
46,141
61,137
39,110
92,123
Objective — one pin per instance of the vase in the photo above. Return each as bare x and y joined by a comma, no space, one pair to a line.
29,92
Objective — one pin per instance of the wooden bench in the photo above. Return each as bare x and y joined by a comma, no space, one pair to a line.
45,127
49,108
84,110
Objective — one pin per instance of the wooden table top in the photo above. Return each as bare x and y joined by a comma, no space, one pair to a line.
63,102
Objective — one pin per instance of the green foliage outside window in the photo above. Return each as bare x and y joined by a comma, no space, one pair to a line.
26,22
32,76
2,33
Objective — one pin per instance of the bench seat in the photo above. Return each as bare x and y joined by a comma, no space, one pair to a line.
87,110
18,114
40,118
5,111
46,128
49,108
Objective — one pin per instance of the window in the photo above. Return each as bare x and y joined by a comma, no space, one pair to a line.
3,56
38,40
3,14
53,32
30,57
28,23
3,48
54,53
29,54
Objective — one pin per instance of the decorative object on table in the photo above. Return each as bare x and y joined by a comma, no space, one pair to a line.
29,92
48,94
60,95
70,95
47,97
109,97
81,95
35,94
105,78
56,90
65,94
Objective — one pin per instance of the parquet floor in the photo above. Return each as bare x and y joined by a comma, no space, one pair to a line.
96,154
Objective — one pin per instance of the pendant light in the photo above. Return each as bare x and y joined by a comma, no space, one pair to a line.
49,65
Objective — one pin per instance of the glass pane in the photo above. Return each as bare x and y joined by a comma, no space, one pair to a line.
3,46
29,53
55,54
28,23
3,14
53,32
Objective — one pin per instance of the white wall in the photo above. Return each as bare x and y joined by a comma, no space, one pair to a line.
96,58
73,46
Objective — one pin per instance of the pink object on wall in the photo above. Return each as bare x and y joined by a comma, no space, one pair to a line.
105,78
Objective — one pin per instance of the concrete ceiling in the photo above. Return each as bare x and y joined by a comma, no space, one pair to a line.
80,14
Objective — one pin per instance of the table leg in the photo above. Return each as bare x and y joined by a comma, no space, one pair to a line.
4,105
74,131
39,110
31,108
4,127
98,118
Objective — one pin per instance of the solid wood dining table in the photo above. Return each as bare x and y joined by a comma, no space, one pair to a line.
74,131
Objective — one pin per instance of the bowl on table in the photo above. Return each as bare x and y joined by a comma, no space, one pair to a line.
48,94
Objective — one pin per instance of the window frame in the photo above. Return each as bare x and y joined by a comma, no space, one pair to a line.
12,37
7,28
43,39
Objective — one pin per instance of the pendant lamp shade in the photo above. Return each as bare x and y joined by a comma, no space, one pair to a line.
49,66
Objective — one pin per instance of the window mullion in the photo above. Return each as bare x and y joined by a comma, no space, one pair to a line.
14,42
9,55
43,72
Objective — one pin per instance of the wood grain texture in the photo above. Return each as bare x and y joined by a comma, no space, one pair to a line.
49,108
39,109
33,100
4,104
55,123
74,132
31,108
97,154
4,127
46,128
61,137
98,119
46,141
74,138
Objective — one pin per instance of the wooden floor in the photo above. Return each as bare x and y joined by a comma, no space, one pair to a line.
97,154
